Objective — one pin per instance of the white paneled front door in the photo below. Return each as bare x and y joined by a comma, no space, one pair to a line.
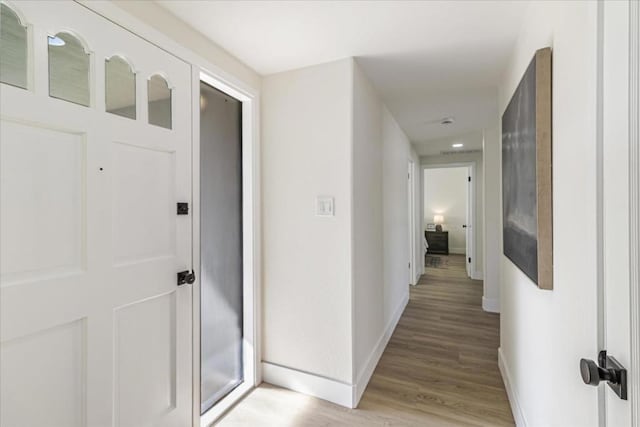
94,330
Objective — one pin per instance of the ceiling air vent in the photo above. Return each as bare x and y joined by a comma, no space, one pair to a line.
450,152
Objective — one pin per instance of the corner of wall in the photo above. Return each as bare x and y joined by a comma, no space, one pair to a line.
352,279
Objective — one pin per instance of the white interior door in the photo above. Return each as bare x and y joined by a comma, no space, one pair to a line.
94,329
621,165
411,224
469,224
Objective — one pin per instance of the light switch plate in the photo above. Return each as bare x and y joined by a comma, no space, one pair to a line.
325,206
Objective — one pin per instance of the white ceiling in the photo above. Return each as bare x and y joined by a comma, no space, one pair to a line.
428,59
469,141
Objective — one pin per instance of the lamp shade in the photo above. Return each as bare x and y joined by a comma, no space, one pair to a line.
438,219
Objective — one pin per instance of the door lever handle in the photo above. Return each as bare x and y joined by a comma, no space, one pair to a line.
592,374
186,277
608,369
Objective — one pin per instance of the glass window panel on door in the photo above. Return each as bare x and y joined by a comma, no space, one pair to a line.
159,100
13,48
68,69
120,88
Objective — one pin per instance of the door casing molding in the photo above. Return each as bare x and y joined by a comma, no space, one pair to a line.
472,165
634,205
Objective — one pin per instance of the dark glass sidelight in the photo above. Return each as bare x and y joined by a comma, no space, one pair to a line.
221,297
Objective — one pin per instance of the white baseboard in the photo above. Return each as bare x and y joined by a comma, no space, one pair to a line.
329,389
491,305
374,357
516,409
303,382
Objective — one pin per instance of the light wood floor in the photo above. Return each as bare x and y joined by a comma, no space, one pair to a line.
439,369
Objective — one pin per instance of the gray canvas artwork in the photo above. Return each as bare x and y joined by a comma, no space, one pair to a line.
519,200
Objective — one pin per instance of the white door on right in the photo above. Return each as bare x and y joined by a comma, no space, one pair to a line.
469,225
620,196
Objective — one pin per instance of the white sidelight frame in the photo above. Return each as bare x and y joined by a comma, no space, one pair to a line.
213,75
472,166
250,243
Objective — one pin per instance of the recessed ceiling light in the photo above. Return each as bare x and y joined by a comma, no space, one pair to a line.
56,41
457,145
447,121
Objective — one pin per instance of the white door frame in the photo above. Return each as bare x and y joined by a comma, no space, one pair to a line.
472,165
202,69
634,205
250,356
411,206
606,94
470,222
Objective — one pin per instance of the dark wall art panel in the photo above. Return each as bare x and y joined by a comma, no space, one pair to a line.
526,173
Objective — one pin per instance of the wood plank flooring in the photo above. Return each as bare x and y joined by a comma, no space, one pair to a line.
439,369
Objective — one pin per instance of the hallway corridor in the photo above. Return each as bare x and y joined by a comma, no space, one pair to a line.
439,369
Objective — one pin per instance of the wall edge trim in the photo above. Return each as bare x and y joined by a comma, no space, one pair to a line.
477,275
514,402
491,305
307,383
374,357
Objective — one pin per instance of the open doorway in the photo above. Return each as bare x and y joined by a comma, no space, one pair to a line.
449,211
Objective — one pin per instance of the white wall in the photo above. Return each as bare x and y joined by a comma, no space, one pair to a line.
545,333
445,193
368,280
381,157
397,152
492,214
306,137
475,158
334,288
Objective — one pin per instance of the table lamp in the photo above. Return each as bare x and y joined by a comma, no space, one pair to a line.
438,220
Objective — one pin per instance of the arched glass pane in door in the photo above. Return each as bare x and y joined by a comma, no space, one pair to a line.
159,102
13,48
120,87
68,69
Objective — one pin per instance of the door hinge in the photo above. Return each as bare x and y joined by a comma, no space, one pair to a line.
469,260
186,277
469,178
183,208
